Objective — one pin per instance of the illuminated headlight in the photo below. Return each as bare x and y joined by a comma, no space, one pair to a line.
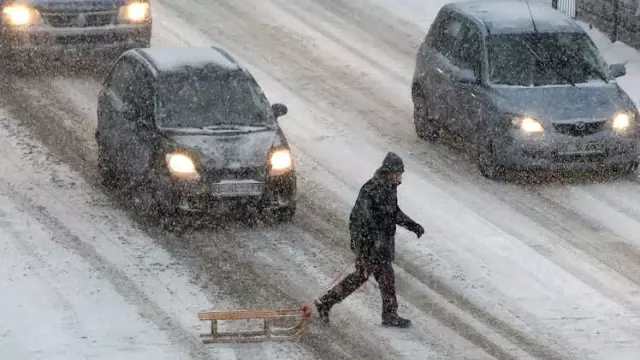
20,15
182,166
621,121
135,11
528,125
281,162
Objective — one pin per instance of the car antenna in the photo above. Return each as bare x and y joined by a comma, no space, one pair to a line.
535,28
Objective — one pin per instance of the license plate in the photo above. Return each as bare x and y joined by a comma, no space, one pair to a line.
582,149
240,188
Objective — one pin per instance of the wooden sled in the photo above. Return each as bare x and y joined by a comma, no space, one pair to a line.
268,332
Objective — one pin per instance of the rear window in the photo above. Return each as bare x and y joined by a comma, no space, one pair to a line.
543,59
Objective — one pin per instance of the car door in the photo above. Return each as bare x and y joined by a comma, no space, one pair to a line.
111,112
139,129
440,77
466,98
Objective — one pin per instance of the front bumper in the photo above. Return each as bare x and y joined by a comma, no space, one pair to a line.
198,196
572,153
66,41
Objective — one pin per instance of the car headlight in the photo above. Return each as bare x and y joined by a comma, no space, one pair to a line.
622,121
135,11
20,15
281,162
527,124
182,166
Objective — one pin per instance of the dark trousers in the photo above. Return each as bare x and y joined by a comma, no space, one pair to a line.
384,275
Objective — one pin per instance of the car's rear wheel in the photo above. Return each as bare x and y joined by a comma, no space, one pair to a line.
426,128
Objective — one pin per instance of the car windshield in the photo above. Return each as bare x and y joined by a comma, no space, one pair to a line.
543,59
201,98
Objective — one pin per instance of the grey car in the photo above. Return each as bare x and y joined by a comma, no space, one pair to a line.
189,129
527,86
73,27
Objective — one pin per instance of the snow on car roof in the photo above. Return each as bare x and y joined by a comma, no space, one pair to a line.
173,58
508,16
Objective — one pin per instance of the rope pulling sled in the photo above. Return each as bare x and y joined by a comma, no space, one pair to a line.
268,317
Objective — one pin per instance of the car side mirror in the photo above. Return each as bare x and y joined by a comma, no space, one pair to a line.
617,70
279,110
465,76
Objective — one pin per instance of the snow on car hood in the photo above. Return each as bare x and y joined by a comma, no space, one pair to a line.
585,101
228,150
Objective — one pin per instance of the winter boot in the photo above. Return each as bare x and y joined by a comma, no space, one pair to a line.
323,311
396,321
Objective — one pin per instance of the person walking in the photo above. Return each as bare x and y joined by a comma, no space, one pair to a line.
372,228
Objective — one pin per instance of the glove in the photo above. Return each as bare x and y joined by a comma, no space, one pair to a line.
418,230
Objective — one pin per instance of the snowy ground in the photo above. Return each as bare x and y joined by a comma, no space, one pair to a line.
505,270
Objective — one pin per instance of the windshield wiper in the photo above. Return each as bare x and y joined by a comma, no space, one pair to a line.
590,66
535,54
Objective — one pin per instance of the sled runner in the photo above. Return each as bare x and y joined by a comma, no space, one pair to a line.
268,333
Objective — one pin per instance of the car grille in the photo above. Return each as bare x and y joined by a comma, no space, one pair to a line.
580,129
67,20
245,173
107,39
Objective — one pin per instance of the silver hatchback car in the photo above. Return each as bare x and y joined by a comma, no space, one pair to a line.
527,85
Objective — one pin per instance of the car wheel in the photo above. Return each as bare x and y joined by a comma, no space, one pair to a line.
109,178
285,214
426,128
631,170
487,162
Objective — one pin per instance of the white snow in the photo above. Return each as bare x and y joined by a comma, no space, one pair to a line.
560,282
173,57
472,236
56,306
84,281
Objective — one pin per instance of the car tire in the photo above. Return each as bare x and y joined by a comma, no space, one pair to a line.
108,175
426,129
631,170
285,214
487,162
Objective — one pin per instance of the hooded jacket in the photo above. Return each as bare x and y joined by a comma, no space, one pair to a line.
373,219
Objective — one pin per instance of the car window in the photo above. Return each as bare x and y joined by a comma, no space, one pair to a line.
543,59
142,88
447,35
200,98
122,79
467,52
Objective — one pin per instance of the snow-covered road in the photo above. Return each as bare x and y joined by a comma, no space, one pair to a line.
504,271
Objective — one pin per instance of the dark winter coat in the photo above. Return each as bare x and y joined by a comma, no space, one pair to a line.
373,219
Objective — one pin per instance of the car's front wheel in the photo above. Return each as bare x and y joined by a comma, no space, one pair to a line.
631,170
107,173
285,213
426,128
488,162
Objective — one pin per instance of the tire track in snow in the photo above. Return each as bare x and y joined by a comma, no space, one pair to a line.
147,308
50,103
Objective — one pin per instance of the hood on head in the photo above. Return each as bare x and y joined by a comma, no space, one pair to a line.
553,103
392,163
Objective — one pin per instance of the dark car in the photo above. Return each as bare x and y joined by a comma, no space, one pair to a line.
69,27
528,87
191,128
